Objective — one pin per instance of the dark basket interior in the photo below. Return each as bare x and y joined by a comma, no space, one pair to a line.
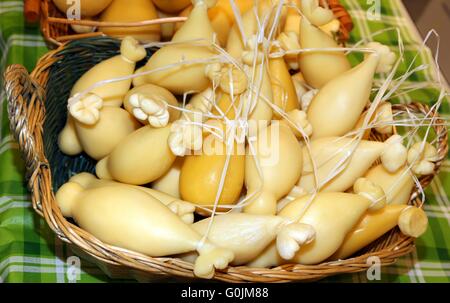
74,60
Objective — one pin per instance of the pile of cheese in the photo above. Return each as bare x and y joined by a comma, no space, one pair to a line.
250,116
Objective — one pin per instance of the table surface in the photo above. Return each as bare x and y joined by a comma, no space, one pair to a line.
30,252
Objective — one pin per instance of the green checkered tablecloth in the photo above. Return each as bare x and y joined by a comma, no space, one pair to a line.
30,252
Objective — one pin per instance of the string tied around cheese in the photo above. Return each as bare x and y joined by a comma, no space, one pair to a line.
374,193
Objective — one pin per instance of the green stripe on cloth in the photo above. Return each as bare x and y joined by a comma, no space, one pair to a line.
30,252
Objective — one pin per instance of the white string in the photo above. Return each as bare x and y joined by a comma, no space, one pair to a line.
238,20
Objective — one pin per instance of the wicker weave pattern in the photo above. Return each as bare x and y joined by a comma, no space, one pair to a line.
29,97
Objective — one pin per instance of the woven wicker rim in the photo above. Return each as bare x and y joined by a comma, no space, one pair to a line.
26,97
55,26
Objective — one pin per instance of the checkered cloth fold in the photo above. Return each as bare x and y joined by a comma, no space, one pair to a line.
29,250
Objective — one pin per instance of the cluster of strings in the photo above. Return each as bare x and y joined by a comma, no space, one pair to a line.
391,85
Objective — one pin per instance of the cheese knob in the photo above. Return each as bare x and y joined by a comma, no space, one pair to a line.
153,110
422,157
132,50
289,41
394,155
211,258
413,222
185,137
183,209
387,57
299,124
366,188
384,119
233,81
86,109
397,186
292,237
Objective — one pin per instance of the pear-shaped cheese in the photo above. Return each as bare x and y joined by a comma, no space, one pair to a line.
142,157
247,235
100,139
131,11
87,181
222,17
375,224
235,46
262,88
184,77
251,23
201,174
338,105
283,90
278,155
397,186
112,94
318,67
121,216
88,8
332,215
328,153
130,218
182,208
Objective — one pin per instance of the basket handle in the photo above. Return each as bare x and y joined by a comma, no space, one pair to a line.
26,112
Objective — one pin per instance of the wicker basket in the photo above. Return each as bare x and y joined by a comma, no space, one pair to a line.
37,111
56,28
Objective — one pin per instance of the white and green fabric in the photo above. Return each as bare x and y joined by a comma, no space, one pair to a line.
30,252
